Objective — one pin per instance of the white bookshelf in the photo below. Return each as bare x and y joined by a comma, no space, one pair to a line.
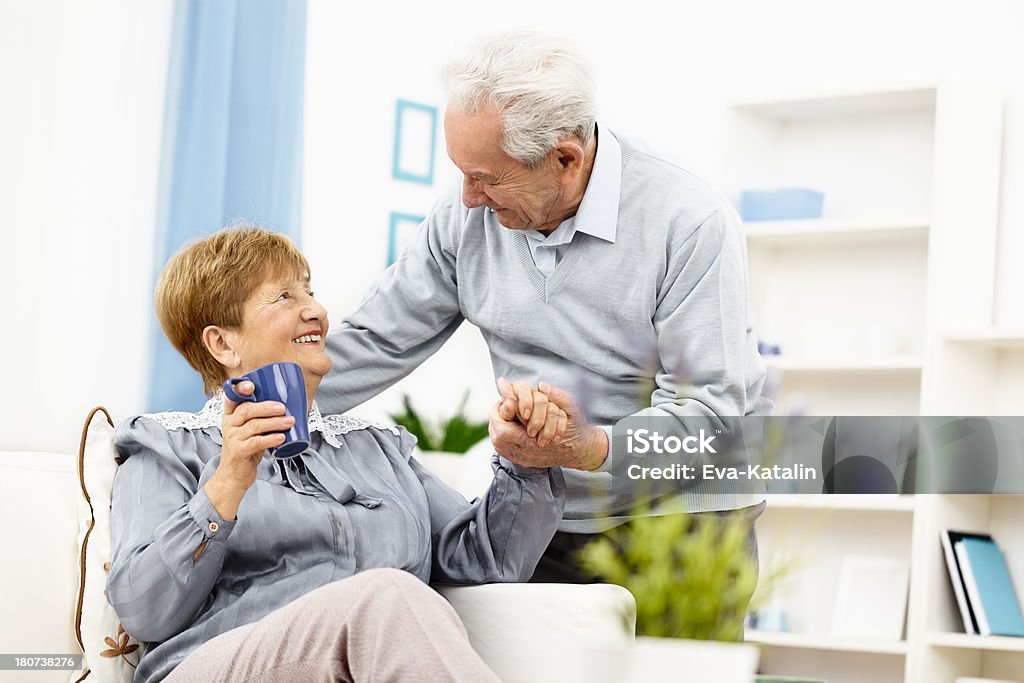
813,533
861,503
808,642
884,364
835,231
882,307
988,362
801,106
975,642
989,338
942,650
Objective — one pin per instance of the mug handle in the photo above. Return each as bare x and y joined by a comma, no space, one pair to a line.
229,390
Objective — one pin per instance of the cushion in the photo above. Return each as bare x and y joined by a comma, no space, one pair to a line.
110,654
38,492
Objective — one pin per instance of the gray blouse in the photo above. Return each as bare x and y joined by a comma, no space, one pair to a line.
181,574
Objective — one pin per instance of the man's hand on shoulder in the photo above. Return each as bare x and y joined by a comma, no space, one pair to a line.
521,428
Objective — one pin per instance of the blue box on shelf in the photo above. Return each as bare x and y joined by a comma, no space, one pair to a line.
781,205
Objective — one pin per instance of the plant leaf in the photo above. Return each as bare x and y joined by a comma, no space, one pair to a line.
457,434
415,425
692,577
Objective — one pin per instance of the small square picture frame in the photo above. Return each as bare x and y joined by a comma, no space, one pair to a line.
871,599
415,142
401,228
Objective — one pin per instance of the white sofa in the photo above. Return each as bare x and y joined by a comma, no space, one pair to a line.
525,632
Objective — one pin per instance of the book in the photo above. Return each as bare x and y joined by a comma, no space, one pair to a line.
948,538
988,587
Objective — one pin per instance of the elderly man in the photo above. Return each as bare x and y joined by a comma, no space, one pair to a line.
607,277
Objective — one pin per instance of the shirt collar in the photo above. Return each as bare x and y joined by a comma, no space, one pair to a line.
598,214
561,235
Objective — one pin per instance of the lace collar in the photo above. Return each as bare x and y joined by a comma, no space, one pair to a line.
331,426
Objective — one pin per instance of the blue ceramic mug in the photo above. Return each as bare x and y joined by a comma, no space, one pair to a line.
281,382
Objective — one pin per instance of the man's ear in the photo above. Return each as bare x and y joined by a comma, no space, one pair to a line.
220,343
569,159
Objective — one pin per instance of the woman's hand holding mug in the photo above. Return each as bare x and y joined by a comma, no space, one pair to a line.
248,429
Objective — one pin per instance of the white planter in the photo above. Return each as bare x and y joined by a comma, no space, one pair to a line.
673,660
645,660
468,473
447,466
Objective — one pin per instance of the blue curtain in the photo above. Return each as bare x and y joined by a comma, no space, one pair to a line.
232,146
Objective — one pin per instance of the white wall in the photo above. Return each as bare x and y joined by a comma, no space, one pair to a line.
665,73
81,106
82,94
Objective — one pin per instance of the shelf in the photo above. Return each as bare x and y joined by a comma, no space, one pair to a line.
853,300
992,337
975,642
826,231
886,364
811,642
805,106
866,502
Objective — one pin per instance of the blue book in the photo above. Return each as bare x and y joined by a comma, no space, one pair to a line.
989,588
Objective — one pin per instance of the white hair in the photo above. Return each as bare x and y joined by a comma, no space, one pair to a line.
540,86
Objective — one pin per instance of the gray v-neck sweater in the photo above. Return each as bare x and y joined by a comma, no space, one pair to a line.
656,322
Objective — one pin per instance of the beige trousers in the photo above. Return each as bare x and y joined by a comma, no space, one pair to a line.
378,626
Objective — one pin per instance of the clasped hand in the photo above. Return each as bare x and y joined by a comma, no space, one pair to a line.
543,426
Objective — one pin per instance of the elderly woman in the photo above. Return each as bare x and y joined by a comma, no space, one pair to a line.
234,567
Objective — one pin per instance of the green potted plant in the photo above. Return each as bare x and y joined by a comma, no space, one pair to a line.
692,578
442,446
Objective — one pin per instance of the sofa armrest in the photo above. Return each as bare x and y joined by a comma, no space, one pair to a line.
540,632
